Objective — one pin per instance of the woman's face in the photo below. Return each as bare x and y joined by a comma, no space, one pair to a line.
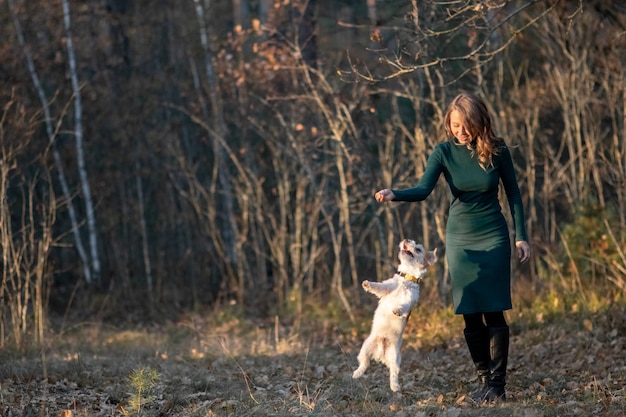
458,129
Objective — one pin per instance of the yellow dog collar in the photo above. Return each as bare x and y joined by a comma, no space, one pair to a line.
417,280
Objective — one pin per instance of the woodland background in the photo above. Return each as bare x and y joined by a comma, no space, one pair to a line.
171,156
187,212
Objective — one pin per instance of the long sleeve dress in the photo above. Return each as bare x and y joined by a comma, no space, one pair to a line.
478,248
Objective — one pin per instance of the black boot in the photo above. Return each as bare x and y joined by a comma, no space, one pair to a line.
499,355
478,345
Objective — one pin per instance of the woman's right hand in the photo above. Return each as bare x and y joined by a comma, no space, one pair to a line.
384,195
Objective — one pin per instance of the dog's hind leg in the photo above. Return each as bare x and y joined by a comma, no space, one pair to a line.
392,360
364,359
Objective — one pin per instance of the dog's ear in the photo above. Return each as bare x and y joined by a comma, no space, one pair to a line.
432,257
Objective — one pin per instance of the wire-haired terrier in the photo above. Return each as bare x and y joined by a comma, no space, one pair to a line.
397,296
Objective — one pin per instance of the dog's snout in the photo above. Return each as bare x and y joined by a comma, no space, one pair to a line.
408,244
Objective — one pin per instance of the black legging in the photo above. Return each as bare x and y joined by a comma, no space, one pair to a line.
474,321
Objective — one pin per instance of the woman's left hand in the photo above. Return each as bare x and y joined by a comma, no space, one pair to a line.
523,250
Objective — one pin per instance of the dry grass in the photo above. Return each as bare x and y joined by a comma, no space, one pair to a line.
562,363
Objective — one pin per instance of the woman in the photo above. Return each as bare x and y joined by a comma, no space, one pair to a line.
478,249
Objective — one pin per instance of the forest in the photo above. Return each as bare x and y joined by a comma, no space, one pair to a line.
162,159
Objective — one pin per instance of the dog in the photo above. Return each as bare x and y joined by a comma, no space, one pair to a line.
397,296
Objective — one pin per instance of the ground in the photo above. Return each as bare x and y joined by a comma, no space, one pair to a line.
566,365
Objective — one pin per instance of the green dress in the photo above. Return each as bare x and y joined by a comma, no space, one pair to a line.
478,248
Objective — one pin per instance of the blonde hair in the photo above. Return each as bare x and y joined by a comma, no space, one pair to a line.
477,120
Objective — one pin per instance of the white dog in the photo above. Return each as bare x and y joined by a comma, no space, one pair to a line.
397,296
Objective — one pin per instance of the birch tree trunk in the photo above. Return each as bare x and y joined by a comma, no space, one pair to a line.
371,12
227,224
264,10
78,135
241,15
147,265
52,135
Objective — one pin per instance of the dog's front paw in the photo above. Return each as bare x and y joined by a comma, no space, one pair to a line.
366,285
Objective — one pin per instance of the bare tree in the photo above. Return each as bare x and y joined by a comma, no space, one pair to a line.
80,150
245,155
265,6
80,158
371,12
52,133
226,222
241,14
27,216
431,30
